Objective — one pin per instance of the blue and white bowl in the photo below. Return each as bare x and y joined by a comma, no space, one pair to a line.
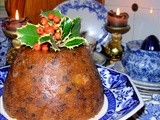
141,64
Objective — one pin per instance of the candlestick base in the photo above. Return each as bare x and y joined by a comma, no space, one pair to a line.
114,49
15,45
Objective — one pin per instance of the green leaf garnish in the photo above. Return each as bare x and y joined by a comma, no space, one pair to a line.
27,35
44,39
66,26
74,42
76,27
54,45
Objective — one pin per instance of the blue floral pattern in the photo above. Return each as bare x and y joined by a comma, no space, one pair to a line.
152,109
120,93
120,86
3,74
152,103
91,5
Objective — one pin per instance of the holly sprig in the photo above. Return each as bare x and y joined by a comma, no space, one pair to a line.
69,30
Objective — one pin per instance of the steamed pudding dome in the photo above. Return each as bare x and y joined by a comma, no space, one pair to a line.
58,83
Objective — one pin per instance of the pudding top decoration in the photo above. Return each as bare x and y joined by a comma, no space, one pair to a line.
53,32
117,19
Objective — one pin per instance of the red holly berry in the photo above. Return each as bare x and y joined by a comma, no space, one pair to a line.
50,16
44,21
49,30
40,30
56,19
57,35
36,46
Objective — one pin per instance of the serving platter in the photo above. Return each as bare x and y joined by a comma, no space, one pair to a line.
122,99
93,18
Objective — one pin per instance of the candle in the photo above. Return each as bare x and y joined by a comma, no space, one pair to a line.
117,19
13,23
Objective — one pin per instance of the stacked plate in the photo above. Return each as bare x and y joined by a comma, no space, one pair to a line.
146,89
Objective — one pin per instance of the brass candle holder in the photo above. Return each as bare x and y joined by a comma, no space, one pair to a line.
15,45
114,48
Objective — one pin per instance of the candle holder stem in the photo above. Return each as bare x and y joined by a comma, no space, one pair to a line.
114,48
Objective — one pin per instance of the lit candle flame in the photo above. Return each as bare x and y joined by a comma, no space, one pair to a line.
118,11
17,15
151,10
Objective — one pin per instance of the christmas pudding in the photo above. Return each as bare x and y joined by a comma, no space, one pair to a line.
53,76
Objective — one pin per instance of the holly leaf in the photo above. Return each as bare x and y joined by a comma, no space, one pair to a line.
27,35
44,38
66,27
54,45
76,27
74,42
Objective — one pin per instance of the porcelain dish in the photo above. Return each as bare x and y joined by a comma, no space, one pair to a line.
93,18
122,99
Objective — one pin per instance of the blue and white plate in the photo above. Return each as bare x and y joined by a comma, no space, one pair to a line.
93,18
122,99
